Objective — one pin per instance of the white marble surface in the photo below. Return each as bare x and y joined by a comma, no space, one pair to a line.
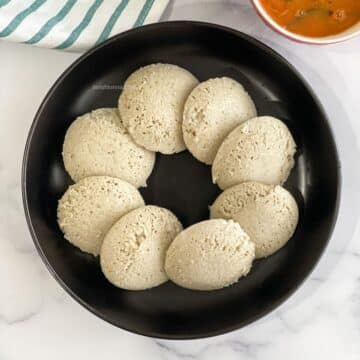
38,320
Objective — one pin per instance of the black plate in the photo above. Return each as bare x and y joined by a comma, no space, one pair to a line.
181,183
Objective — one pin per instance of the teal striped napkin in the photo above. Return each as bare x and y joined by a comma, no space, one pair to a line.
73,25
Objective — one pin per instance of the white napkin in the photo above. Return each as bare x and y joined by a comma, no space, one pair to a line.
74,25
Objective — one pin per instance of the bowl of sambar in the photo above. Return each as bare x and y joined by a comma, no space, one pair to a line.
312,21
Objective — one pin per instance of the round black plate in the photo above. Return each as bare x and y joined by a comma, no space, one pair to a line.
181,183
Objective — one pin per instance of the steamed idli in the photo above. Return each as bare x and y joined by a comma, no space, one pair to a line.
209,255
269,214
97,143
151,106
90,207
212,110
260,149
133,252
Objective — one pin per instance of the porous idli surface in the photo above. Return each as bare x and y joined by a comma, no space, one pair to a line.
261,149
268,214
90,207
212,110
133,253
152,103
97,143
209,255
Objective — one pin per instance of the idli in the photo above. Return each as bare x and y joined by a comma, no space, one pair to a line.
267,213
260,149
133,253
212,110
90,207
209,255
152,103
97,143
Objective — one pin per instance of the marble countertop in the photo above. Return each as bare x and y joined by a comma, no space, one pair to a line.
38,320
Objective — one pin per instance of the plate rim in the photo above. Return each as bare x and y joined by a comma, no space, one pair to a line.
116,38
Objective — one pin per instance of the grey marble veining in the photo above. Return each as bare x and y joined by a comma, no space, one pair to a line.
321,321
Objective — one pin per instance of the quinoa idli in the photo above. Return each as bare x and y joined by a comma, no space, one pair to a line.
209,255
133,253
152,103
90,207
214,108
260,149
268,214
97,143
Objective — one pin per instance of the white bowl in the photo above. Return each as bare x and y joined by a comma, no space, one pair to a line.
323,40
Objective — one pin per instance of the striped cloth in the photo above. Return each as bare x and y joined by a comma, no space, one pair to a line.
74,25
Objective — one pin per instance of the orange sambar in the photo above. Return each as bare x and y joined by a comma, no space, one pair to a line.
314,18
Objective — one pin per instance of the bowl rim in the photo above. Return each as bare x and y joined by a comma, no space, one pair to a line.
67,71
326,40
